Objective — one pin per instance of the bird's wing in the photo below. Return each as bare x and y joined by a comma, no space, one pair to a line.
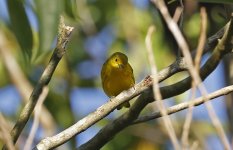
130,72
104,71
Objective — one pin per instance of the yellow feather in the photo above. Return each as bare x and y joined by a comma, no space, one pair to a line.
117,76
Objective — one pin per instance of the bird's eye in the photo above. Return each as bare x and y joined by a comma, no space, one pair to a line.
116,59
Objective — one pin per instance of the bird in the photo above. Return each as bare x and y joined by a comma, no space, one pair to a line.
117,76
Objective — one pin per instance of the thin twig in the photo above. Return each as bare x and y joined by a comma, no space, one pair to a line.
107,108
185,105
86,122
194,146
181,22
202,38
182,14
166,120
188,120
35,123
63,37
197,60
125,120
110,130
186,52
6,138
22,84
177,14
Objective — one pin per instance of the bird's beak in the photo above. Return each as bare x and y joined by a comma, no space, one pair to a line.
120,66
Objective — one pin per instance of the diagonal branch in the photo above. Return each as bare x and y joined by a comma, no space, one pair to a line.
185,105
35,123
6,138
63,37
193,72
109,131
107,108
22,84
143,88
156,91
197,60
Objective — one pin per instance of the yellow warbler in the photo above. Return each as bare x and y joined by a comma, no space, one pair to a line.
117,76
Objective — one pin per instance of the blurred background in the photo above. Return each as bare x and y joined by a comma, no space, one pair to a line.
28,30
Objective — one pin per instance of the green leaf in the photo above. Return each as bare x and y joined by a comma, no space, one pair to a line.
20,25
70,8
48,12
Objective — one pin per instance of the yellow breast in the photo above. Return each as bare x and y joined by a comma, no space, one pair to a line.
117,80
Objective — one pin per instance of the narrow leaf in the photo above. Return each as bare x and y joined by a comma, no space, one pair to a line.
20,25
48,12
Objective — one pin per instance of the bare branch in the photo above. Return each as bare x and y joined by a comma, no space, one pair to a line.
104,110
5,133
194,74
146,97
109,131
92,118
178,14
194,146
202,38
63,37
197,60
22,84
185,105
35,123
156,91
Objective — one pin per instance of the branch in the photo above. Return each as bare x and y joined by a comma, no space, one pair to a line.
193,72
156,91
35,123
22,84
109,131
6,138
92,118
63,37
185,105
142,88
107,108
197,60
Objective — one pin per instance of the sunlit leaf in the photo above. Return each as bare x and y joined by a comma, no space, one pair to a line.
20,25
48,12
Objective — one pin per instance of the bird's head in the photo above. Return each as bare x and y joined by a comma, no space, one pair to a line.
118,60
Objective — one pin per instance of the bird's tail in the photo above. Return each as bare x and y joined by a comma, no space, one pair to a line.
125,104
